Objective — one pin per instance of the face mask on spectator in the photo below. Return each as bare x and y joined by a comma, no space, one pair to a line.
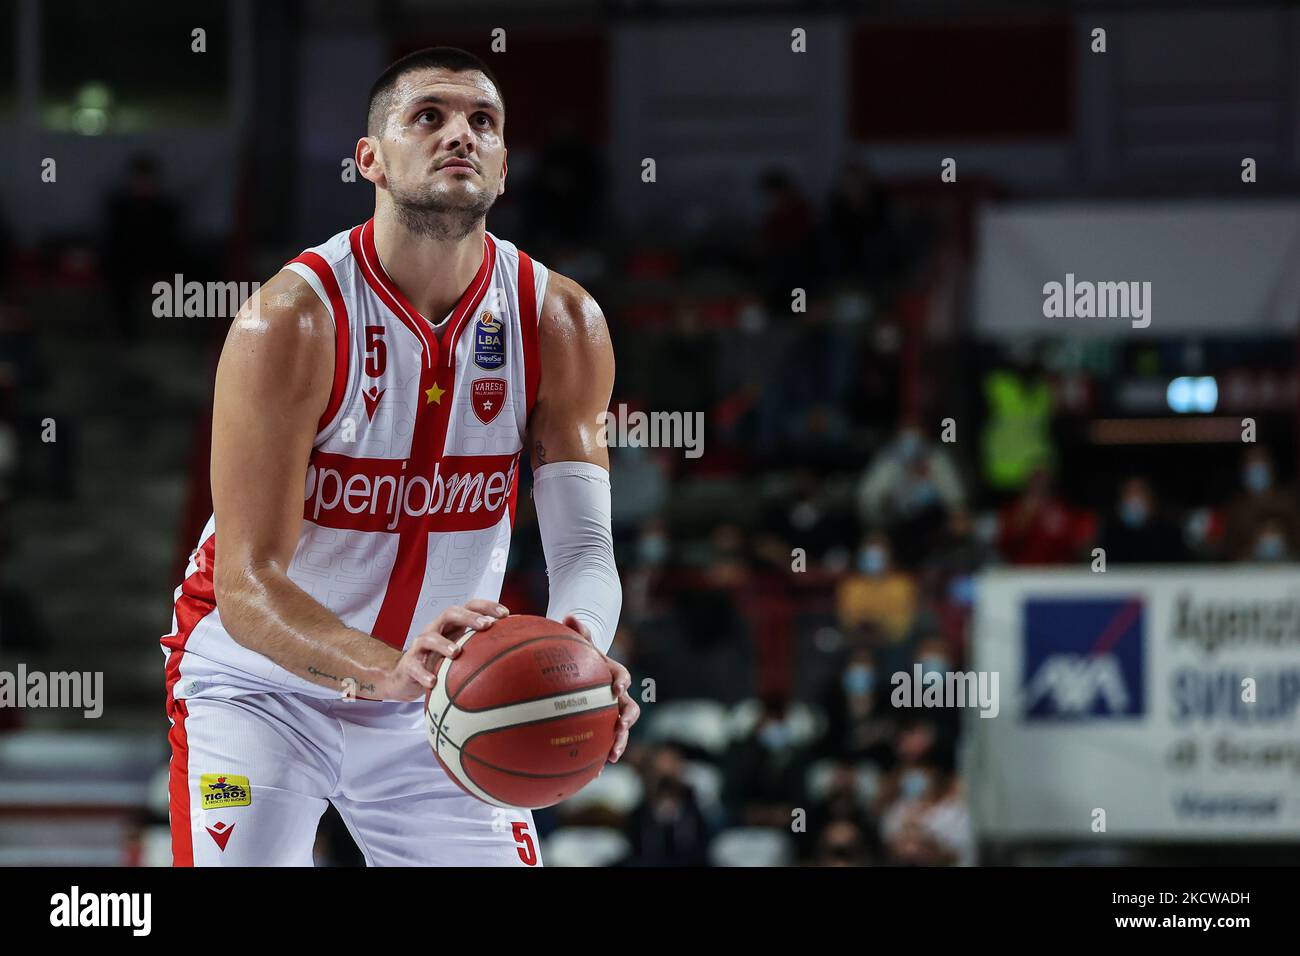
914,783
1257,476
652,549
961,590
909,445
1133,512
1270,547
774,736
933,665
922,494
858,680
871,559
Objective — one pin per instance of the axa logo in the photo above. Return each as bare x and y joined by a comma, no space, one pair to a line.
1084,658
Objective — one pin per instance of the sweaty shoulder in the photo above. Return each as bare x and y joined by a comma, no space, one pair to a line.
282,342
570,318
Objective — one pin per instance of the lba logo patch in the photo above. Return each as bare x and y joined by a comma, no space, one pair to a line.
1084,658
488,395
489,342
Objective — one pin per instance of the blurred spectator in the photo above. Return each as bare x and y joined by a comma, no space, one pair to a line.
807,416
860,225
843,833
929,823
1138,533
842,843
643,594
1271,544
1039,527
763,773
1259,502
668,828
908,489
802,519
947,578
860,724
788,254
875,592
934,657
641,475
142,242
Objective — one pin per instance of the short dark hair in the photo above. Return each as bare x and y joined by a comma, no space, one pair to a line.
434,57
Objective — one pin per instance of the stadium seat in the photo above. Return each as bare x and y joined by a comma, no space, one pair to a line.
693,723
585,846
751,846
706,782
806,721
617,789
818,780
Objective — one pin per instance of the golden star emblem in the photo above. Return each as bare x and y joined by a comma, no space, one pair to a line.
434,394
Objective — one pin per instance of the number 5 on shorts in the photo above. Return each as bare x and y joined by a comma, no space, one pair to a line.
527,852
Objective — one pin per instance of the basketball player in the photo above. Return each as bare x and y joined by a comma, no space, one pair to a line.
372,403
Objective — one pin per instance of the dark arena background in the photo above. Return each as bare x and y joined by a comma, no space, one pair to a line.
955,466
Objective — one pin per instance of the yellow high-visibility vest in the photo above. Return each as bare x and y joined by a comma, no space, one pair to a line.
1017,437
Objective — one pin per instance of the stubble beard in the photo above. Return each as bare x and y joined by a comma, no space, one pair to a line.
437,216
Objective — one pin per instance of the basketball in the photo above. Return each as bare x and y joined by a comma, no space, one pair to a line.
525,715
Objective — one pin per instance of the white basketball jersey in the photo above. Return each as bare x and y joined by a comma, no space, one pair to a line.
409,493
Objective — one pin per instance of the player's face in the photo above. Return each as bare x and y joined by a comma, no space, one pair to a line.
443,147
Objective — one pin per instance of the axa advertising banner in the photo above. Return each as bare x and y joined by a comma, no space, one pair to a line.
1154,704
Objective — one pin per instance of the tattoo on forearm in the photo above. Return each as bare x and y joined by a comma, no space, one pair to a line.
540,450
351,686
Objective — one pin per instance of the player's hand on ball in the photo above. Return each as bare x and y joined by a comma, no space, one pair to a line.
621,680
413,674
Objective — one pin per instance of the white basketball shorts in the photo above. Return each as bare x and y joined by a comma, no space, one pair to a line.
251,776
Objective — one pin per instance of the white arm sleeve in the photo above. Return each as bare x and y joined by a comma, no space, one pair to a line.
573,514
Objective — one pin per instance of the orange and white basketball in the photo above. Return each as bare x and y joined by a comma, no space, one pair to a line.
525,715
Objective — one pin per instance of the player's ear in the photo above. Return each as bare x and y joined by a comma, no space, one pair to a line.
501,187
369,163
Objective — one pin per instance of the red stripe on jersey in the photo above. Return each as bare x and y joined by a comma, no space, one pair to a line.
529,317
367,259
342,333
393,623
514,490
197,601
473,295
